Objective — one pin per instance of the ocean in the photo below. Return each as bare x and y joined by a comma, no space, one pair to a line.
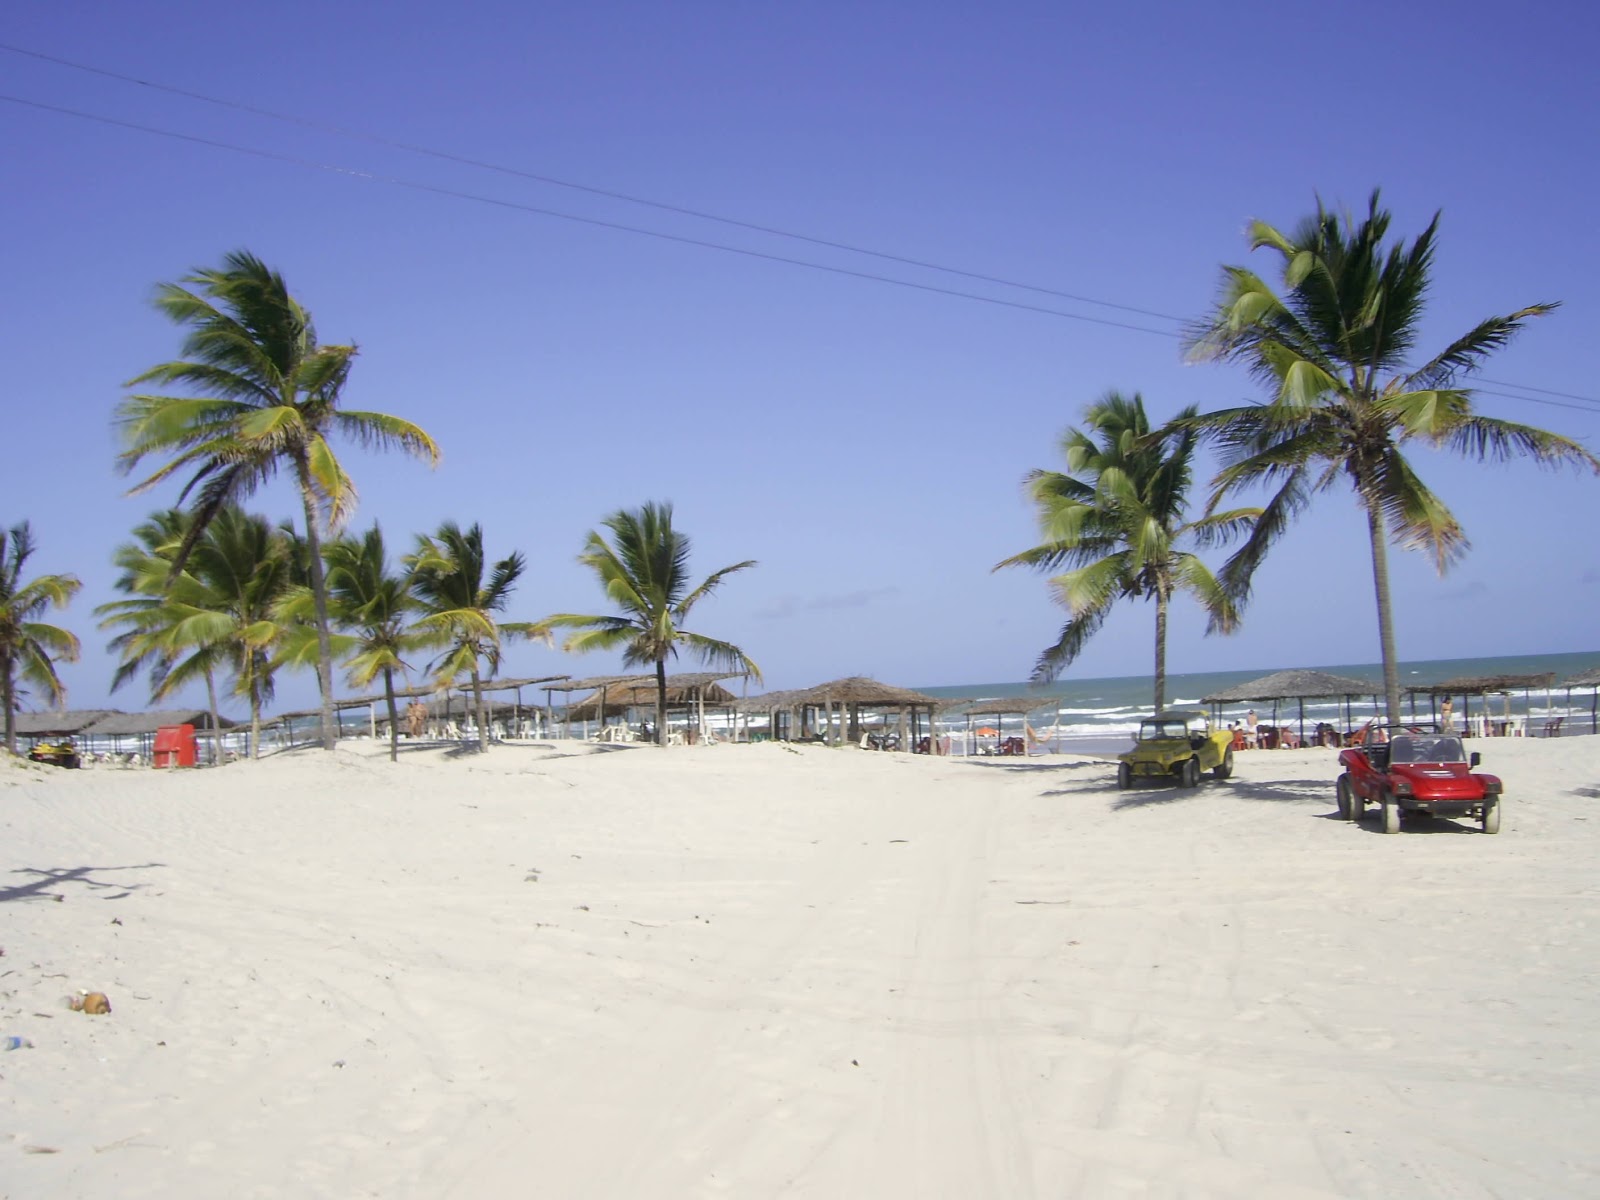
1100,715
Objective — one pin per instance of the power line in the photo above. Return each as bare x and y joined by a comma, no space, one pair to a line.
475,197
1586,403
537,177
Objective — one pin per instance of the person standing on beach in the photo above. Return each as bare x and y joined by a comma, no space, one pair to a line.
416,718
1251,721
1447,716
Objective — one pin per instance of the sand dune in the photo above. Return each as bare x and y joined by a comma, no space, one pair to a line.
759,971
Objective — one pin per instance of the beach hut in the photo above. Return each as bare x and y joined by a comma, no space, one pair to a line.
1297,685
142,727
1485,724
619,695
999,708
856,693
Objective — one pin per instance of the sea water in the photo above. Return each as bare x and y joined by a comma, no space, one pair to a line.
1101,715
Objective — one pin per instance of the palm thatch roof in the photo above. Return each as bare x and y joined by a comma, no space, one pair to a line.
622,692
1479,685
123,724
1294,685
1589,678
65,723
1004,706
859,690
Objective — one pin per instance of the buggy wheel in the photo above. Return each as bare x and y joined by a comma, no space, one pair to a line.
1124,776
1224,768
1391,815
1491,817
1347,799
1191,773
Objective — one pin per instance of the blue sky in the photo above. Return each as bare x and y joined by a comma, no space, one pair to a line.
865,442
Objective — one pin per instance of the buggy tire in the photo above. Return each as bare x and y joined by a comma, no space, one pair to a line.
1224,768
1191,773
1349,807
1391,815
1124,777
1491,817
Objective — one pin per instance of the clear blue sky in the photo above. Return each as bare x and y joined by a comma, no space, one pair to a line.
864,441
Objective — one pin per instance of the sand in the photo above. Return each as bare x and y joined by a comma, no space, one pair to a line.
760,971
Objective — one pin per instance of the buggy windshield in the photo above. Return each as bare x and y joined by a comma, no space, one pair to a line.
1403,749
1150,731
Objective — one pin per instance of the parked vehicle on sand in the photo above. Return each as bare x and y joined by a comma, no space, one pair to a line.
1176,746
61,753
1417,771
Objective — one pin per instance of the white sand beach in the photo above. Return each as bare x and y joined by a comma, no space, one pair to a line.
761,971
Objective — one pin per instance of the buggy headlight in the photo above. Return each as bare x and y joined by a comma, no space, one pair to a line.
1492,787
1402,788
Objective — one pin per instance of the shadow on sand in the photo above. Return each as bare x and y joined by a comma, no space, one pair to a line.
38,888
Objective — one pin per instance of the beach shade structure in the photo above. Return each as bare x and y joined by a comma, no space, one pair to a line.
1297,685
1484,686
857,694
70,722
999,708
1584,679
142,727
618,695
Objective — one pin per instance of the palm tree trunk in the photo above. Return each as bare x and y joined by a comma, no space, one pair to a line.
1380,583
319,597
255,725
477,709
1161,650
8,698
394,716
661,701
216,718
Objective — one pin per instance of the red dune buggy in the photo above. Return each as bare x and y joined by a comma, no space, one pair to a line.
1416,771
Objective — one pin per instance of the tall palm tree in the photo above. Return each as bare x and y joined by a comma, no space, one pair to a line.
458,605
261,393
1116,518
219,612
1334,347
376,608
644,570
30,648
146,569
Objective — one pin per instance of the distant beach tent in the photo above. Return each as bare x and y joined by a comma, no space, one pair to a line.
1298,685
1587,679
1002,707
1484,686
794,714
617,695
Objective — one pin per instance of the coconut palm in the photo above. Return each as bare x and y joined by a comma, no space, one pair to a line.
1116,517
30,648
219,612
376,608
261,393
458,605
1334,348
644,570
146,569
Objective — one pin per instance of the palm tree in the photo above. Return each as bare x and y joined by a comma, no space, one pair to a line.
458,607
30,648
146,566
1334,348
1116,517
218,612
376,607
644,570
264,394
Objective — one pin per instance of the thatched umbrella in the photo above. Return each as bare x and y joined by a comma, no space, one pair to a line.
613,694
144,726
1299,685
856,692
1485,686
1000,708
